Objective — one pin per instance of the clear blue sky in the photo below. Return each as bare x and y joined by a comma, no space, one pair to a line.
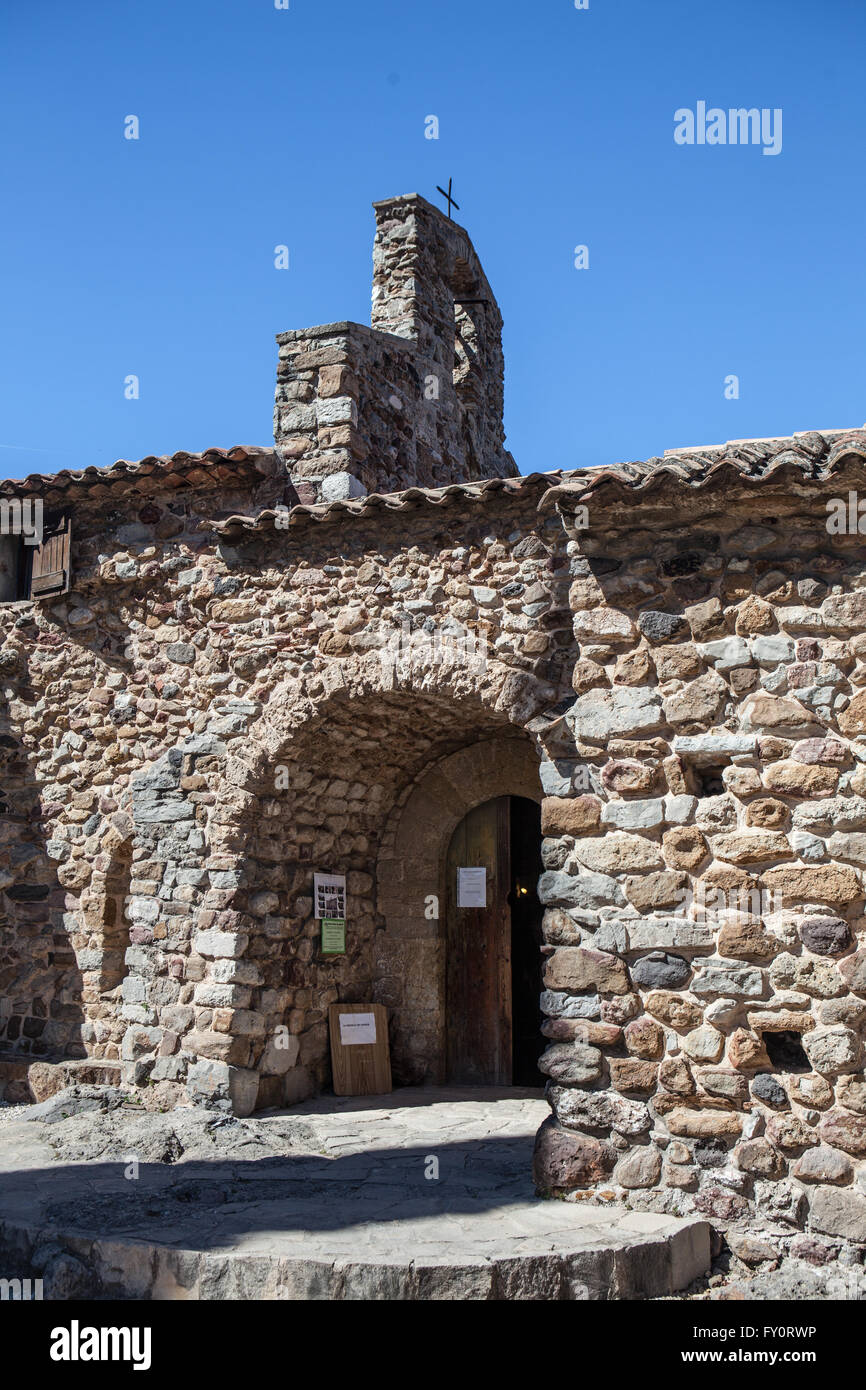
261,126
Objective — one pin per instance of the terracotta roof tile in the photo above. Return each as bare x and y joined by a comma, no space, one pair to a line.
212,466
411,499
802,458
807,457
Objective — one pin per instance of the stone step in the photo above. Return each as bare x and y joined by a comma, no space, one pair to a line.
30,1079
627,1256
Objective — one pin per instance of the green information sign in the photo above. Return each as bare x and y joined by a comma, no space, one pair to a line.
333,936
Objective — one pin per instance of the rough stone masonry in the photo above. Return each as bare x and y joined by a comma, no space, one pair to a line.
265,662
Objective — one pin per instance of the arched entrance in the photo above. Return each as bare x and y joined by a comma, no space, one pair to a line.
413,878
493,952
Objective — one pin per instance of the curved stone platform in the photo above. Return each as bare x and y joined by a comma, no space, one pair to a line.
423,1195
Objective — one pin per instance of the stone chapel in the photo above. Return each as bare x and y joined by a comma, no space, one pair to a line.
634,694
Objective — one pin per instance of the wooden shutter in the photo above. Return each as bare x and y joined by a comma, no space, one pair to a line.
49,562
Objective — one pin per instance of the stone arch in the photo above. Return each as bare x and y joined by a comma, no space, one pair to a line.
492,688
312,724
243,962
410,871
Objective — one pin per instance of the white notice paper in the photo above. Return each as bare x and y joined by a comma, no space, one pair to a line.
330,895
357,1028
471,887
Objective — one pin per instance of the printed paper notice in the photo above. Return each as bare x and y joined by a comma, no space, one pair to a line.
333,936
471,887
330,895
357,1028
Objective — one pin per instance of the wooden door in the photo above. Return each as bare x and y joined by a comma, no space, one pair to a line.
478,943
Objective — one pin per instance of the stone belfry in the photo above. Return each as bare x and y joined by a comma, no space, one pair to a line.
417,398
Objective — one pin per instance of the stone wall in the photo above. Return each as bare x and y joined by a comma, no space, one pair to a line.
417,399
705,852
240,690
211,716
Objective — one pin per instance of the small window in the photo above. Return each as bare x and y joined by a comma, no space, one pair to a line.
48,567
34,551
709,781
785,1051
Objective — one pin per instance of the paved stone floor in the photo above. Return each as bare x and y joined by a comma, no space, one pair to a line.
425,1193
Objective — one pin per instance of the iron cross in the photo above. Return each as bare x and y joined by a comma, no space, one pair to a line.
448,196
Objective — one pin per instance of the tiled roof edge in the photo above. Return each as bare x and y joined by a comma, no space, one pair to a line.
125,471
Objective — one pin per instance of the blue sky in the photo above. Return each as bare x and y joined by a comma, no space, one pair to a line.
261,127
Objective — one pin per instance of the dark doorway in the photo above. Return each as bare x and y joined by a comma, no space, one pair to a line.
493,969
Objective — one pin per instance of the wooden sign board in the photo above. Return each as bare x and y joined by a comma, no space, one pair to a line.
360,1060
